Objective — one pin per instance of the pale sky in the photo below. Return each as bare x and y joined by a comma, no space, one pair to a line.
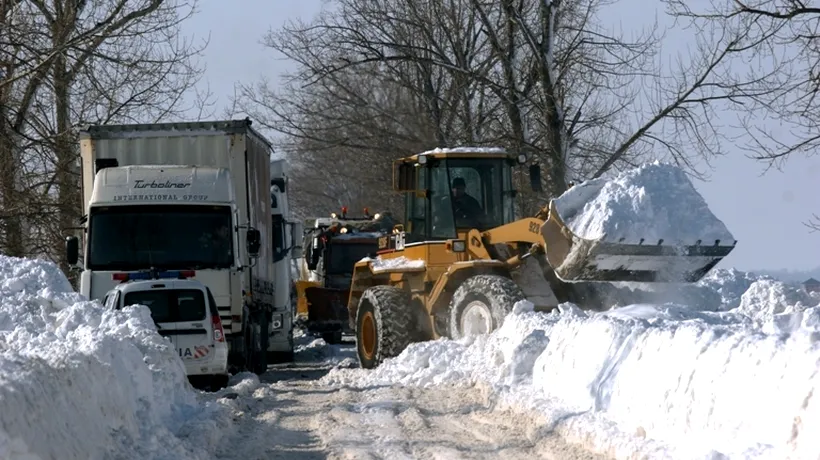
765,213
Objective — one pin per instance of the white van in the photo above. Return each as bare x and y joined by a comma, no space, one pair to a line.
185,312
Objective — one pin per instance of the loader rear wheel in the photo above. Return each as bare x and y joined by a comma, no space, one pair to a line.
384,325
481,303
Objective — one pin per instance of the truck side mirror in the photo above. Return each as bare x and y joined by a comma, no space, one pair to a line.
404,176
314,252
309,260
254,242
72,250
535,178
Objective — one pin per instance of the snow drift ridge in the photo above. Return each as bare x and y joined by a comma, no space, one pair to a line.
80,382
649,379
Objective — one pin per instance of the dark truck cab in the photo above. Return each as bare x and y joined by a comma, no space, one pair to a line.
331,251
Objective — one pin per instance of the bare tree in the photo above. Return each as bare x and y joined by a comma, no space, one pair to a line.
342,150
780,62
538,76
20,46
100,61
371,112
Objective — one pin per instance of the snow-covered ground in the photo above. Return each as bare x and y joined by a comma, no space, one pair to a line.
731,376
289,414
728,371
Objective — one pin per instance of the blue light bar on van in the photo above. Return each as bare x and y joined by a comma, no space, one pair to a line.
153,275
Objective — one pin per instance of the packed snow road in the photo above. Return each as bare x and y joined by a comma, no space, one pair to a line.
289,413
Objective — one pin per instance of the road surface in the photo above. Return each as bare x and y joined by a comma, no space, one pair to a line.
292,416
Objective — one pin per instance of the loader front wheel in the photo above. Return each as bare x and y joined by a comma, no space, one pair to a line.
384,325
481,303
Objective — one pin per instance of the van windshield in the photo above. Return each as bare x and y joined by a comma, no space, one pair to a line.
161,236
170,305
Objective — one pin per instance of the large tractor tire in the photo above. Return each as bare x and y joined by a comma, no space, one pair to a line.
481,303
384,325
256,342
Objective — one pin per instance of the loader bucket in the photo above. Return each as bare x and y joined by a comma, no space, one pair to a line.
577,259
327,306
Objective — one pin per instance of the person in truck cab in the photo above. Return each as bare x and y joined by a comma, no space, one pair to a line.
466,208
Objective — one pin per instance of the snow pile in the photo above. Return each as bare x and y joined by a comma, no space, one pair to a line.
381,265
778,308
655,200
80,382
317,350
729,284
647,379
719,290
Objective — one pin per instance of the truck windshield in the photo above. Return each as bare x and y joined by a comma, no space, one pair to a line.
162,236
344,255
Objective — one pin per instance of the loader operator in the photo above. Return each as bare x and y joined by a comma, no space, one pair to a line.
467,210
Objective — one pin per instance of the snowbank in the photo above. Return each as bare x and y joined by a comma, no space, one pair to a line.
654,201
80,382
719,290
648,379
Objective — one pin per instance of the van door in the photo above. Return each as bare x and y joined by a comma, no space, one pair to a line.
193,328
162,311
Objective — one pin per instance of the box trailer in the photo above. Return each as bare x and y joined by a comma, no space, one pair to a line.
194,197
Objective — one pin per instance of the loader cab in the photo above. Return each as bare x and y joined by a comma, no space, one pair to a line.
451,192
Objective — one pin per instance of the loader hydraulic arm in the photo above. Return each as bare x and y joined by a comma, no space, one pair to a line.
527,230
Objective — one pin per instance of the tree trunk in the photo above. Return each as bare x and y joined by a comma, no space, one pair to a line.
12,223
68,203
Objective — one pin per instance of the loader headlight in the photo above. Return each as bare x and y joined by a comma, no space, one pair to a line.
522,159
459,246
343,230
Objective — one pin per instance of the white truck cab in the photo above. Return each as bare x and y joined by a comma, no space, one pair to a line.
185,312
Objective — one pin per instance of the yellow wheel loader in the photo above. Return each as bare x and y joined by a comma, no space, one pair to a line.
457,266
